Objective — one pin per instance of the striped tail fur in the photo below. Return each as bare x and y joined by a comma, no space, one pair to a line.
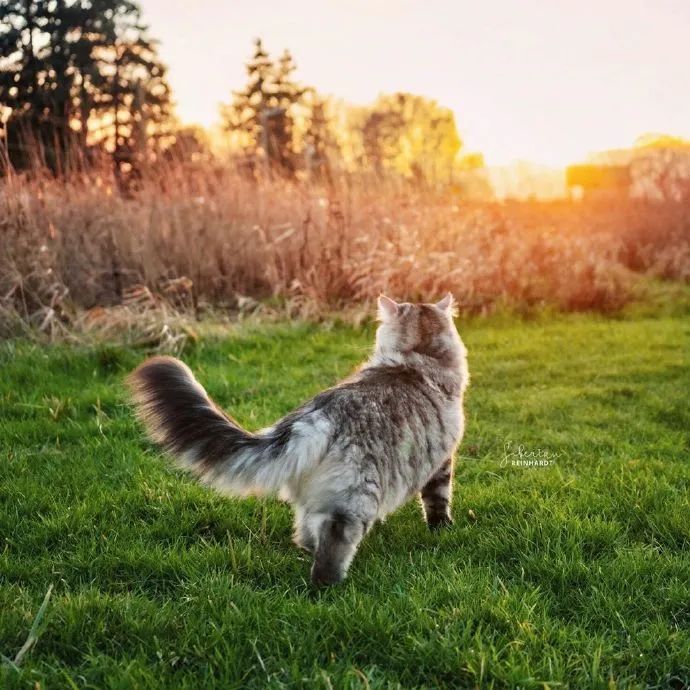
179,415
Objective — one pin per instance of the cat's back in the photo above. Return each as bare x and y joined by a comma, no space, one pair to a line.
386,401
382,385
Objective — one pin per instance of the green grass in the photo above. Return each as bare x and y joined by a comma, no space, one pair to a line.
576,574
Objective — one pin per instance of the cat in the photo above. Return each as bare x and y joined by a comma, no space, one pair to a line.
346,458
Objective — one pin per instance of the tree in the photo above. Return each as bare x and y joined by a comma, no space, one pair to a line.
262,115
75,71
133,106
191,145
411,135
321,147
381,134
660,168
36,80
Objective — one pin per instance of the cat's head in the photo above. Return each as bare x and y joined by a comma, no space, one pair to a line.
423,329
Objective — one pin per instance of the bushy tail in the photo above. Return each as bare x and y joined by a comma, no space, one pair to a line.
179,415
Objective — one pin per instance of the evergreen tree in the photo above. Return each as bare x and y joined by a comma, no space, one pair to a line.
321,147
243,116
70,65
262,114
287,94
35,81
133,102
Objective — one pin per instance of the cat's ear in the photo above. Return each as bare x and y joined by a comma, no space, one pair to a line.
447,305
388,308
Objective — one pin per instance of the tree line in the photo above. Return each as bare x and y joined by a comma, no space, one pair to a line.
282,126
82,79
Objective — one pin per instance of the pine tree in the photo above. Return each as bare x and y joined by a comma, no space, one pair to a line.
68,64
135,94
35,81
243,115
321,147
262,114
287,94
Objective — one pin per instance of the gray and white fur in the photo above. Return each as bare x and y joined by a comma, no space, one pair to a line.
346,458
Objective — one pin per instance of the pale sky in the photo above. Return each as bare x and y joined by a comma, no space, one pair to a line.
538,80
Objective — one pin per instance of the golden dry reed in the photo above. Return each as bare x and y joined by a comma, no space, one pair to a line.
203,235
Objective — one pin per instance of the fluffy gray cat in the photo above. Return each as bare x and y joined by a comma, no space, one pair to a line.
346,458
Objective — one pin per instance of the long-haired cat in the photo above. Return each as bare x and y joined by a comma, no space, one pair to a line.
347,457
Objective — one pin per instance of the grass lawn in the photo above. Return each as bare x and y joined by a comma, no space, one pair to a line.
573,574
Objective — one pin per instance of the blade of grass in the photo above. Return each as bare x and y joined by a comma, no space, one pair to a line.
33,632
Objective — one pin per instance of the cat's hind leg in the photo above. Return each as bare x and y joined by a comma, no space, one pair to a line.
436,496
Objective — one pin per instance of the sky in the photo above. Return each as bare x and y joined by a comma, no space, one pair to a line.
536,80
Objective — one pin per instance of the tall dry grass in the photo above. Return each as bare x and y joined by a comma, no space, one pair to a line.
197,237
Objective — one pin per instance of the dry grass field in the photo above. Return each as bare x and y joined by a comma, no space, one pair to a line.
204,237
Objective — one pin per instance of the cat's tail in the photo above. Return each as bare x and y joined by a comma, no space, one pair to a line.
179,415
